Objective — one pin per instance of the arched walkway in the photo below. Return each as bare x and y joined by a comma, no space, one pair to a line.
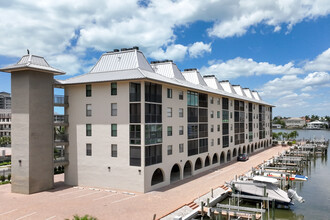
198,164
248,149
234,152
244,150
222,158
175,173
228,156
157,177
252,148
207,161
215,158
239,151
267,143
256,146
187,170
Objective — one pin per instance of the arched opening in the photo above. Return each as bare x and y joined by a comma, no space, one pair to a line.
256,146
215,158
198,164
262,144
228,156
207,161
244,150
265,144
252,147
234,152
239,151
157,177
187,169
175,173
248,149
222,158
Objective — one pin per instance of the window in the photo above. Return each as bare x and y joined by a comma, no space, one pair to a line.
225,103
192,98
203,130
180,112
212,114
218,129
88,90
180,130
212,128
211,100
218,141
192,114
114,130
212,142
153,113
225,128
88,149
169,93
135,92
225,116
231,139
169,130
153,92
135,112
203,100
88,110
203,145
192,131
218,114
218,101
135,156
113,150
113,109
180,148
203,116
153,154
225,141
135,134
181,95
169,112
192,147
88,130
153,134
169,150
113,88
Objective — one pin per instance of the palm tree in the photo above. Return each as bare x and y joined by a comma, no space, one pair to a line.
294,134
285,136
280,134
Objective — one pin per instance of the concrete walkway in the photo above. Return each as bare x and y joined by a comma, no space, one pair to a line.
64,201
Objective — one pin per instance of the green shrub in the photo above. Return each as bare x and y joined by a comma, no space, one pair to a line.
85,217
2,178
289,143
9,177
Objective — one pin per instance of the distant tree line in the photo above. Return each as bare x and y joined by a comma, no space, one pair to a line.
285,135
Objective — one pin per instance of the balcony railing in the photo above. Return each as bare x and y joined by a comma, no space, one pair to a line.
61,119
60,100
61,157
61,138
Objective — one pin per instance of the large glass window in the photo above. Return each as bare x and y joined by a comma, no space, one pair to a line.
135,156
153,134
88,149
153,113
114,130
113,88
203,131
203,145
192,114
135,112
192,98
135,134
203,100
135,92
153,154
113,109
225,141
203,117
153,92
88,130
192,131
225,116
225,103
192,147
88,110
88,90
225,128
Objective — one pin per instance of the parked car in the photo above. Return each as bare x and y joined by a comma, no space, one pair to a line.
242,157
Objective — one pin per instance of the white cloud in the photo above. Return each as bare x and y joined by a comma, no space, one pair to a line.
246,67
321,63
174,51
198,49
60,27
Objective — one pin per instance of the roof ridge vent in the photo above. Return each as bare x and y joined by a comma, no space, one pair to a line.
190,69
209,76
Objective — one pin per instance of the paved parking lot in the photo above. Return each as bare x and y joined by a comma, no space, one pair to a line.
65,201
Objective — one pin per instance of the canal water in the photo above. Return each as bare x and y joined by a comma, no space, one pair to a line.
315,191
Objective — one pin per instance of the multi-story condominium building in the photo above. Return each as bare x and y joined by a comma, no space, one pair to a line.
140,126
5,100
5,122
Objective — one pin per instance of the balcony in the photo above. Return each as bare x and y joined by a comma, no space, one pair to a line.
61,100
61,139
61,159
61,120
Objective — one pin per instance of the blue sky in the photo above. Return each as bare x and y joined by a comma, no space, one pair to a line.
279,48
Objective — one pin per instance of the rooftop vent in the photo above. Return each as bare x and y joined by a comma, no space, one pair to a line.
161,61
116,50
209,76
191,69
136,48
224,81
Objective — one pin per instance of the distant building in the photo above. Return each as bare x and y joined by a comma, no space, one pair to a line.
277,126
295,122
315,125
5,100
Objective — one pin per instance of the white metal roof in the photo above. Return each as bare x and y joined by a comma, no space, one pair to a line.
168,69
256,95
238,89
109,68
194,77
248,93
32,62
